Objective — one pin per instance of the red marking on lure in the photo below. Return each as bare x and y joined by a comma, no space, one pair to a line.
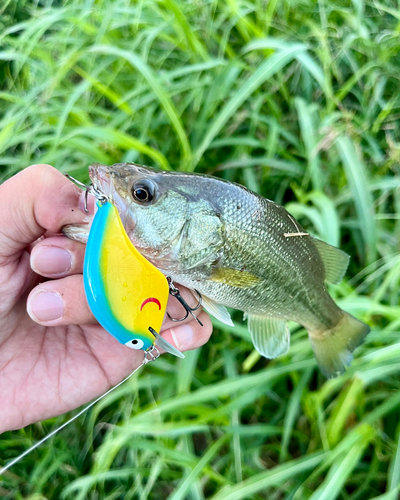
151,299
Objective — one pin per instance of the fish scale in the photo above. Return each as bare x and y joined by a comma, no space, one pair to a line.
238,250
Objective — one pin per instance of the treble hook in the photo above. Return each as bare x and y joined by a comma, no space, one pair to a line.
89,189
189,310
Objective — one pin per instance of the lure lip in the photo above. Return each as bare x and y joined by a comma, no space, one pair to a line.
164,344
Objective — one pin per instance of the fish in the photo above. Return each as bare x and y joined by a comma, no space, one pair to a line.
239,250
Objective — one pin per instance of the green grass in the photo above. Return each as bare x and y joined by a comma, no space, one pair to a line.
298,100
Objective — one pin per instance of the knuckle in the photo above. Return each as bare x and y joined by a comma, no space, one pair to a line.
40,172
40,167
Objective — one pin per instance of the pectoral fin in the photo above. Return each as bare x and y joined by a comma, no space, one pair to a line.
270,336
217,310
335,261
235,277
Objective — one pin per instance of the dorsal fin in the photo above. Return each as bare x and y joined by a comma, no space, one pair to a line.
335,261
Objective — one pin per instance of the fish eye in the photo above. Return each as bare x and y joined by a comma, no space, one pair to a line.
143,191
135,344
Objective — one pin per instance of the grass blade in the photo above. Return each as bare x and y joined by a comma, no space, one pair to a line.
157,88
356,174
268,479
265,71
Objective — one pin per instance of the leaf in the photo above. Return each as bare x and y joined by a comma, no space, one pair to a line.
121,140
302,56
266,70
339,472
157,88
184,486
356,174
306,114
292,411
275,477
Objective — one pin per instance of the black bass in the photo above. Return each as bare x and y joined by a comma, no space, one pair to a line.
238,250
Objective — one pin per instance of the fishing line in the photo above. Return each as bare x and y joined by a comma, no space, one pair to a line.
148,357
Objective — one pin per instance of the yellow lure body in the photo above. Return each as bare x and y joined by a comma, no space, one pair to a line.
126,293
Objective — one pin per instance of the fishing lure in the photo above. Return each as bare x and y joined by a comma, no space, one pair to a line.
126,293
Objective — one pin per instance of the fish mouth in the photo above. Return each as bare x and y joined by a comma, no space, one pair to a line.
104,178
101,178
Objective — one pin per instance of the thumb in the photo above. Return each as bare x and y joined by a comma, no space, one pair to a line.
36,200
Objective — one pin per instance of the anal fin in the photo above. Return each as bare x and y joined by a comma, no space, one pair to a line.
270,336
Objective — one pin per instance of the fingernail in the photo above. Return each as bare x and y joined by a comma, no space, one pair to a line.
182,335
51,260
45,306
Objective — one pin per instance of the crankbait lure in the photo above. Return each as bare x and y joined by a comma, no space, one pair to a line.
126,293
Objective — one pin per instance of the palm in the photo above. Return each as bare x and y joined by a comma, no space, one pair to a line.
47,371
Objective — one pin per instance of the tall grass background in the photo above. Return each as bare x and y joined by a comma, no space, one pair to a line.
298,100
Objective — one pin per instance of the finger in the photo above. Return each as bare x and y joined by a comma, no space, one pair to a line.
63,302
38,199
57,257
60,302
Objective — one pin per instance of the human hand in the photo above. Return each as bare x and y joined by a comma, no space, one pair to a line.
56,357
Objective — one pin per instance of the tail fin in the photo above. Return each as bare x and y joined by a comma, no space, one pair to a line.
333,349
